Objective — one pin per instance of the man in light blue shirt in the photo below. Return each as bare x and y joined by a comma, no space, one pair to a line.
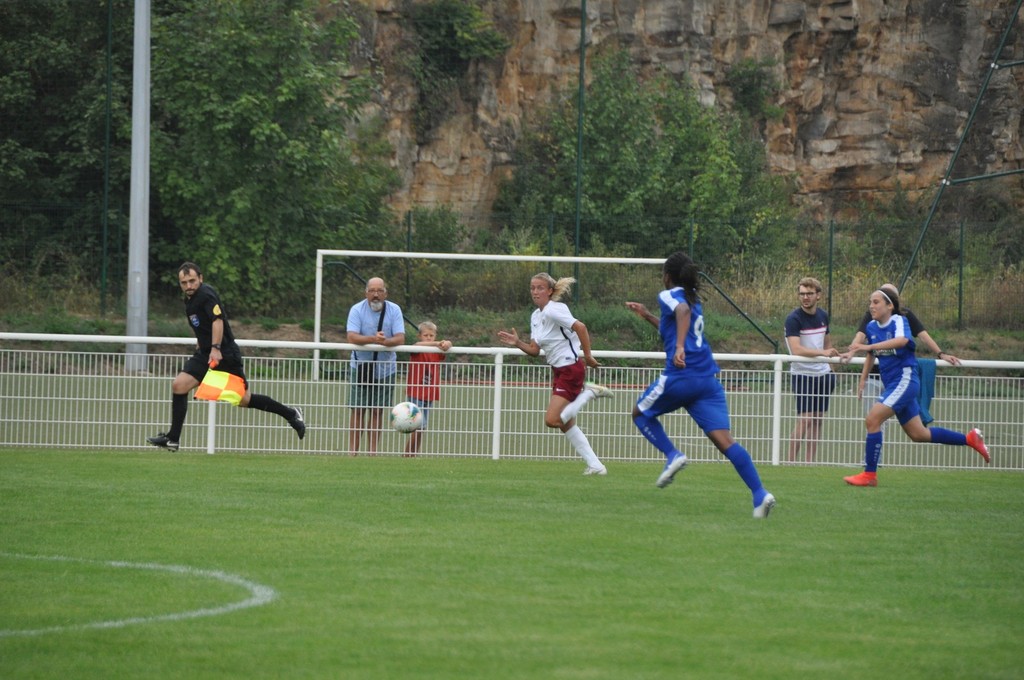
373,321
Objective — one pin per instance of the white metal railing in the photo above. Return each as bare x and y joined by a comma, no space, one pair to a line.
492,404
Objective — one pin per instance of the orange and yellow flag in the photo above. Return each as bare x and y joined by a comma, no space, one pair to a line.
221,386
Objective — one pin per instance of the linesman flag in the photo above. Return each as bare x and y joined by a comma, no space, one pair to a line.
221,386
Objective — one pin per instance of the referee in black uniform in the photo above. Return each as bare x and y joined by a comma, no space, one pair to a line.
215,343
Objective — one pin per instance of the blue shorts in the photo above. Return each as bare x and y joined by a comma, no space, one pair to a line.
703,397
902,397
812,391
424,407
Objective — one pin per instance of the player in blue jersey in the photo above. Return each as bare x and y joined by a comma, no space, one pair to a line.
690,381
872,388
888,339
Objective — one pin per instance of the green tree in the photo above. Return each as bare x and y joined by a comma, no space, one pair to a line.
656,164
53,95
258,158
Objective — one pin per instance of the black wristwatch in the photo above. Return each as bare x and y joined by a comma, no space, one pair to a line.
217,346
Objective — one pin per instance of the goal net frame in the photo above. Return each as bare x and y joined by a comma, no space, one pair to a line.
323,253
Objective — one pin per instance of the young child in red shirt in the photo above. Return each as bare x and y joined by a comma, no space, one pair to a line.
423,380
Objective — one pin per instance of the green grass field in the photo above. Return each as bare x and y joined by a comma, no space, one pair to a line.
462,568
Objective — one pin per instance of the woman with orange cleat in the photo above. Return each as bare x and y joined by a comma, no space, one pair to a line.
889,341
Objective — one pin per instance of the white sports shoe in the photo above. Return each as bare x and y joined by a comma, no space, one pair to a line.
598,390
767,503
595,471
671,468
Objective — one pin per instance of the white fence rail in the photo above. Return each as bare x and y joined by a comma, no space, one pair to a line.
492,404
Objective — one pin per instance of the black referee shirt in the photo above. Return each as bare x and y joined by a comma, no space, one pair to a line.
202,309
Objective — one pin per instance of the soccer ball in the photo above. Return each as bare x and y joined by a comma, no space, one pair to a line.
406,417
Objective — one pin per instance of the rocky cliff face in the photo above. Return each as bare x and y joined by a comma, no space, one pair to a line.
875,92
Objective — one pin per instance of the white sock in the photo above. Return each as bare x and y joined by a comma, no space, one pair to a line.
570,411
582,445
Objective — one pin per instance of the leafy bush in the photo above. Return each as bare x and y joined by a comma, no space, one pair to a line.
754,86
450,34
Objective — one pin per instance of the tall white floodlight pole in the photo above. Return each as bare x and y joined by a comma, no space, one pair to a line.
138,226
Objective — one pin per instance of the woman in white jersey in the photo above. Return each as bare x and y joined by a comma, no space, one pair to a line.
566,345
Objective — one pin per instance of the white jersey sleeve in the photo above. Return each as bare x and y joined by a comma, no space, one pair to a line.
551,328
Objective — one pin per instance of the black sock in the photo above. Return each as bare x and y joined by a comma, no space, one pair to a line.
262,402
179,407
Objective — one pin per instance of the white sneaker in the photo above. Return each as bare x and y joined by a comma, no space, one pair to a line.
598,390
595,471
671,468
767,503
298,422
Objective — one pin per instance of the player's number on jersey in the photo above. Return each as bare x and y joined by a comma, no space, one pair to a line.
698,330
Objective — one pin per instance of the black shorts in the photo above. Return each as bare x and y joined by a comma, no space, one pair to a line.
199,363
812,391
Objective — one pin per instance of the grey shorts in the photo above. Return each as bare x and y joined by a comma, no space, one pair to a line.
380,393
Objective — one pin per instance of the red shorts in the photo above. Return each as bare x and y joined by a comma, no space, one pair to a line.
567,381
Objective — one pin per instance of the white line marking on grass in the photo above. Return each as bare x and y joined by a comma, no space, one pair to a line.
259,595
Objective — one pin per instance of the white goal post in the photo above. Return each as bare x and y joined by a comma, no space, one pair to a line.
326,253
